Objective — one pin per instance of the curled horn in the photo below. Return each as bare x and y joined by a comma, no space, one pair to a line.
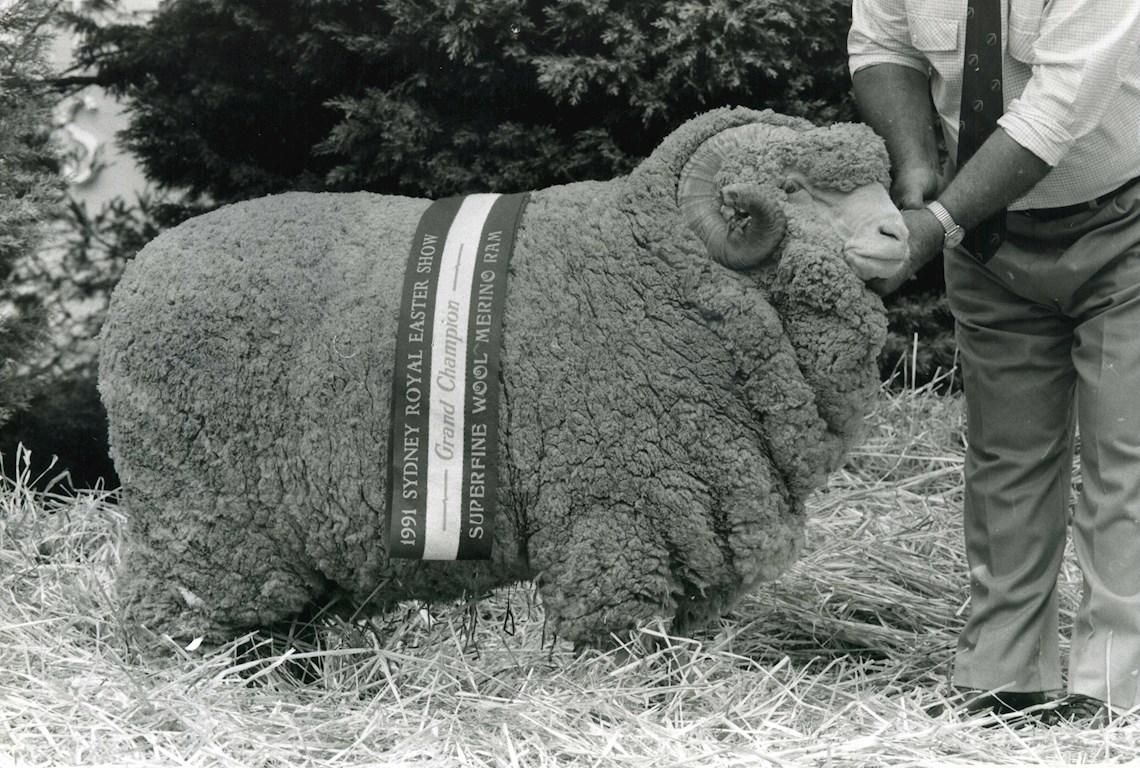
756,229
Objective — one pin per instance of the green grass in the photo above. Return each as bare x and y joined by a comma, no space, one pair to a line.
831,665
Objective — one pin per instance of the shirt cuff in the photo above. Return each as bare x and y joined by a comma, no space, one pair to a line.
859,61
1036,131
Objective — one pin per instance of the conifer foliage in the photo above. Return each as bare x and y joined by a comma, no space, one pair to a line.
237,98
29,180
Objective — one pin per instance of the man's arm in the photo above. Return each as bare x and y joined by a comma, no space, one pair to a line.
1000,172
895,101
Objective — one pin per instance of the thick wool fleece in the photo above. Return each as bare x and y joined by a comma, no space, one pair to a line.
835,326
662,417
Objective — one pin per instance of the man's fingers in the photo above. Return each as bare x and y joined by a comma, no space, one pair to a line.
910,202
913,186
910,196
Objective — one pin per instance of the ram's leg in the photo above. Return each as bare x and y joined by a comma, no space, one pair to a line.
601,572
728,521
199,564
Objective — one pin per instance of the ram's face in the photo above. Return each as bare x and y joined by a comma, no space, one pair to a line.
872,230
740,185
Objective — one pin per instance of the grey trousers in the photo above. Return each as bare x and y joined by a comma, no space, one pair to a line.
1049,339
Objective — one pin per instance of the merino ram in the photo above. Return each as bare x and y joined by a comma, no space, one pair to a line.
687,352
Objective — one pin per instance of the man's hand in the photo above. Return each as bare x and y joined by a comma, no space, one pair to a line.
926,238
914,186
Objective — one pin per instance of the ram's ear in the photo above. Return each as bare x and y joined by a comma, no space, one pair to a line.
741,225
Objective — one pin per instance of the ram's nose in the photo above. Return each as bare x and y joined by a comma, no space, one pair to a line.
880,250
891,241
894,228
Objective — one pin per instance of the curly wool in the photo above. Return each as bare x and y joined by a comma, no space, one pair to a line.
663,418
840,157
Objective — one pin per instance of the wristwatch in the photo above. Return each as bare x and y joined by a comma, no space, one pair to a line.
954,233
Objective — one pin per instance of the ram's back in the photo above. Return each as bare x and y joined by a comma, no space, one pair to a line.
247,360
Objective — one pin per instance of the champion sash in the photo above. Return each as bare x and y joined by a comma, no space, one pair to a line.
443,458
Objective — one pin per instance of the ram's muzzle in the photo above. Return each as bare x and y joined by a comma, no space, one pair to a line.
873,232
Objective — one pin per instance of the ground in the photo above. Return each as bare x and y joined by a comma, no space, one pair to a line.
831,665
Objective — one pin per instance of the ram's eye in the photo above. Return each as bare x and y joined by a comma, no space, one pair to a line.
791,186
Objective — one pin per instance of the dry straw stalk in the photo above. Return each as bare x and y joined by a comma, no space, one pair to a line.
832,665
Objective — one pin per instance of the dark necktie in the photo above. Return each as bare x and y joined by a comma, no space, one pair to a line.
981,107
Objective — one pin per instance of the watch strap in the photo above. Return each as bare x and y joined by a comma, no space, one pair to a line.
943,216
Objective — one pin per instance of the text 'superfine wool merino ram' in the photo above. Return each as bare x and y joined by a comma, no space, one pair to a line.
687,352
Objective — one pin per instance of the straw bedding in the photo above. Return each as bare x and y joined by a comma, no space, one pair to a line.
831,665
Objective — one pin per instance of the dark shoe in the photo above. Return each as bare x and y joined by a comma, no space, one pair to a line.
1008,705
1081,711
